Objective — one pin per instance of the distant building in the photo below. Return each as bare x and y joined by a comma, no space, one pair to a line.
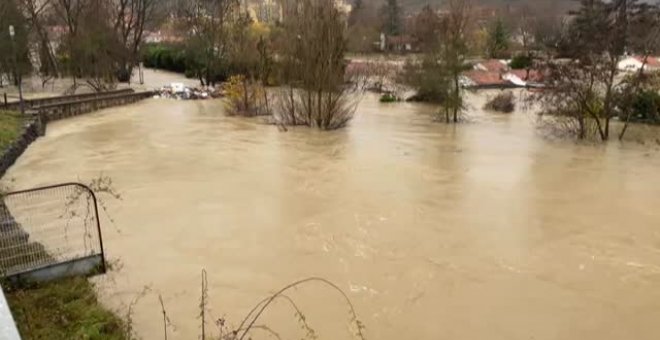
495,73
151,37
398,43
635,63
485,80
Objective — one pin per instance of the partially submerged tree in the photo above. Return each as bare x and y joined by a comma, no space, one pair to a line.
586,93
453,54
436,77
312,50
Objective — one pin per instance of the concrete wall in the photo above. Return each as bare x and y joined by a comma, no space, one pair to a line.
65,109
58,108
29,134
33,103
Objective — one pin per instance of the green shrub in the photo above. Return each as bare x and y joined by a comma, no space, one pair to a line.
389,98
645,106
520,62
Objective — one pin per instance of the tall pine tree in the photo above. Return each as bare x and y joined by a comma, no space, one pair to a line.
391,13
498,40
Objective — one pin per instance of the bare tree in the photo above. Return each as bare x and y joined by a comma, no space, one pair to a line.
584,95
453,52
69,12
208,23
130,19
315,42
37,14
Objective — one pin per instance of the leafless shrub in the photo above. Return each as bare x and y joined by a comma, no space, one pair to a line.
325,110
503,102
166,320
246,97
312,53
372,75
253,316
129,332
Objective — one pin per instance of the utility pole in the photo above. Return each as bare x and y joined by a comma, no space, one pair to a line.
17,73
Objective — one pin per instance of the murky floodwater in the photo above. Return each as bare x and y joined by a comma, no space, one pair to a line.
483,230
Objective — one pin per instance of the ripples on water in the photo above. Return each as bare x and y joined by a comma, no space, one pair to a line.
482,230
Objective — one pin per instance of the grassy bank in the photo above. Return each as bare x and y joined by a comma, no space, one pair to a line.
65,309
11,124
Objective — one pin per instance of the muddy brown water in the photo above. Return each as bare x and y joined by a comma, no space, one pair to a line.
484,230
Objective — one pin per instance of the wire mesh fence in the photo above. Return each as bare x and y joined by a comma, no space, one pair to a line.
43,227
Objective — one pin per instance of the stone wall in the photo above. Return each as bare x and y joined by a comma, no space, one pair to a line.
29,134
33,103
61,109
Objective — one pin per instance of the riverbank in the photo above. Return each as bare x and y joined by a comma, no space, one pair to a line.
65,309
11,124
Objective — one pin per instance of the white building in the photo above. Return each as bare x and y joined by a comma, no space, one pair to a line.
634,63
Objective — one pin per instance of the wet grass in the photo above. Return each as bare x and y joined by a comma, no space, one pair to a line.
11,124
65,309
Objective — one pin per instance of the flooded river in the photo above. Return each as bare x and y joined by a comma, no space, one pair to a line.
484,230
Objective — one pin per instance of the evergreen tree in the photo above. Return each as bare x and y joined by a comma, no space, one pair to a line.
498,40
391,13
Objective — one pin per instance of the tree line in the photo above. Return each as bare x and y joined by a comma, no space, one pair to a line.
99,42
96,42
585,89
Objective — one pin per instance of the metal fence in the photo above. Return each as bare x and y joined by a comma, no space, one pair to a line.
50,232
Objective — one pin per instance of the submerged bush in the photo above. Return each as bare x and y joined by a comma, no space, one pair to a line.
389,98
503,102
246,97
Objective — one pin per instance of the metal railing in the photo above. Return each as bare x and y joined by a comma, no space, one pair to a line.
49,232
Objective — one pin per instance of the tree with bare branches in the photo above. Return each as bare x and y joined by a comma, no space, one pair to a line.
131,17
585,94
453,52
312,50
209,24
37,13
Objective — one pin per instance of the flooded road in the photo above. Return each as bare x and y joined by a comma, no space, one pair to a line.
484,230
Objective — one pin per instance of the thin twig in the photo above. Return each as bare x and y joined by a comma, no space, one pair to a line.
264,304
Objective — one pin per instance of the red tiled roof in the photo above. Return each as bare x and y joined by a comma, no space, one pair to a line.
534,75
650,61
493,65
486,78
400,39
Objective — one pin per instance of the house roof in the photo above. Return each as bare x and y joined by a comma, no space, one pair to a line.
493,65
650,61
534,75
400,39
486,78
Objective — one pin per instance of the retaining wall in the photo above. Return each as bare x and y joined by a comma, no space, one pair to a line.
33,103
77,107
57,108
